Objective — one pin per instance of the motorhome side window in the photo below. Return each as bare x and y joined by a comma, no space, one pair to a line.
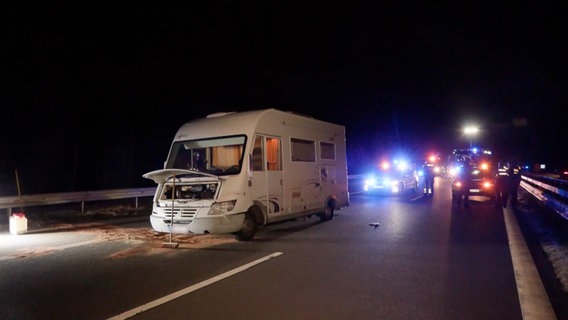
257,158
213,155
327,151
303,150
272,157
273,154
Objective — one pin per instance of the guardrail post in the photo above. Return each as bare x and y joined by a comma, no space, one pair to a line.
136,202
82,207
9,212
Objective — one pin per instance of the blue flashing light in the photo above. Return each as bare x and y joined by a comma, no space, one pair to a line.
403,165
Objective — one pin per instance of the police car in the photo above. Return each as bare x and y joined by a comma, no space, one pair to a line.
391,177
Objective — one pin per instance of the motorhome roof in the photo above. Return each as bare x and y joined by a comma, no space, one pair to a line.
230,123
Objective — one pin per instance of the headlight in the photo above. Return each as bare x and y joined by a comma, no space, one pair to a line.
402,166
222,207
456,171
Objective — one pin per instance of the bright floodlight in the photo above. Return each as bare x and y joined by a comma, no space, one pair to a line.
470,130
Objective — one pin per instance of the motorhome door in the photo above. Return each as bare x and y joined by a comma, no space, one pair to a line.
266,173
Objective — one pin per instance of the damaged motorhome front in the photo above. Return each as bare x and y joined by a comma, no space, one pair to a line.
233,172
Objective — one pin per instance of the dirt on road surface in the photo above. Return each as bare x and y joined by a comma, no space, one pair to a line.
100,219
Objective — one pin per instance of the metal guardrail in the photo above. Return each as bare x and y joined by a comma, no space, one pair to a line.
548,193
35,200
552,192
45,199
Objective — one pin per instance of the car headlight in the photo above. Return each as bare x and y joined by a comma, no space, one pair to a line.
392,182
454,171
222,207
370,181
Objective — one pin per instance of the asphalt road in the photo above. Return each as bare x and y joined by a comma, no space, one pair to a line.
383,257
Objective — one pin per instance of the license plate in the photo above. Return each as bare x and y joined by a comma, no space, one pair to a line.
474,190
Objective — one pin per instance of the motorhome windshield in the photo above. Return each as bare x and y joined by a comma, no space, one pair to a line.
219,156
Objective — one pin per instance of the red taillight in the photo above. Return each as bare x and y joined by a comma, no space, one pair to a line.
487,185
458,184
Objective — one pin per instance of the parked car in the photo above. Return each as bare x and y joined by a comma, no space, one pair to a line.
478,181
391,178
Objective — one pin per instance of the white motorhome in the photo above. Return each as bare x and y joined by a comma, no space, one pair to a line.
234,172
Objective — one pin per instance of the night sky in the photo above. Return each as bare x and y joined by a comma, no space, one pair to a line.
92,95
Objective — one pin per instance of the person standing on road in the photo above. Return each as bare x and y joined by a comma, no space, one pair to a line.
429,174
502,185
514,174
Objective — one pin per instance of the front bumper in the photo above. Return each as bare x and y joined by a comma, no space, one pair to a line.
199,225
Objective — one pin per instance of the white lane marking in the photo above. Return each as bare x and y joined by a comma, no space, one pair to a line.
533,298
182,292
